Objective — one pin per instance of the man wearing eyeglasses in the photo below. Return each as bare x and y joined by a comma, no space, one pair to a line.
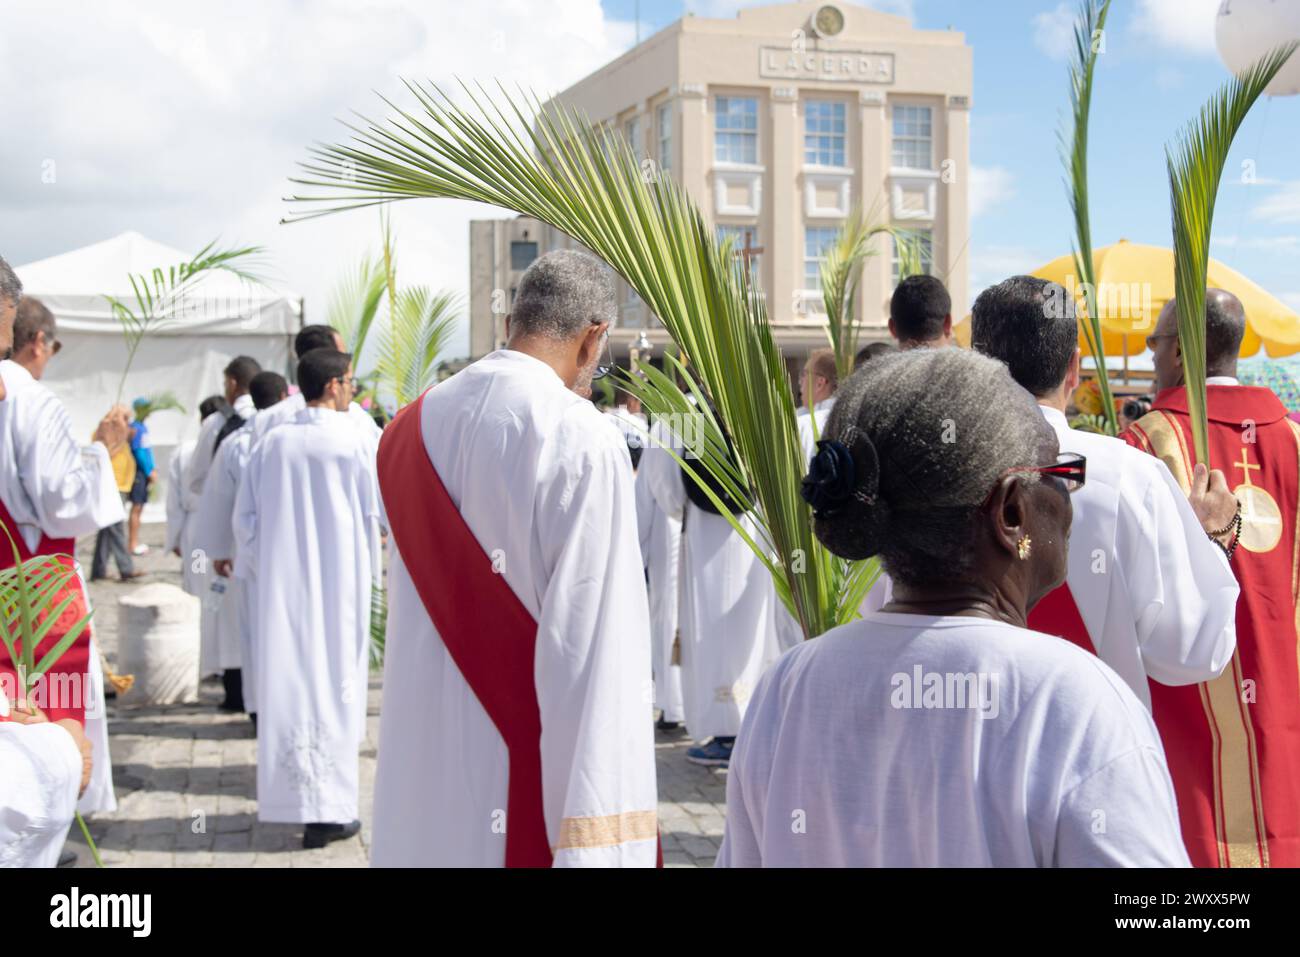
304,519
1234,742
1147,589
516,727
35,337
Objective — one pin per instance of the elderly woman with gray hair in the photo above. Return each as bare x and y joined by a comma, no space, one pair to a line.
940,731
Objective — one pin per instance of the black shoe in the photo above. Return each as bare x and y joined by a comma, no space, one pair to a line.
318,835
233,681
668,726
68,859
252,716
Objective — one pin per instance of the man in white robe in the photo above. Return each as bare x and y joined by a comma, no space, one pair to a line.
35,344
1154,595
212,591
214,534
817,387
302,520
661,543
307,339
537,486
727,616
44,765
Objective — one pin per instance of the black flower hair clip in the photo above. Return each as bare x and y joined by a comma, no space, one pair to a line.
831,478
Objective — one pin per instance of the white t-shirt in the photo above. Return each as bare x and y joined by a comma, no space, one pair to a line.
904,740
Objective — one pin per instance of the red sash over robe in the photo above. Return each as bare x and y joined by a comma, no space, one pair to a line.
488,632
67,681
1233,744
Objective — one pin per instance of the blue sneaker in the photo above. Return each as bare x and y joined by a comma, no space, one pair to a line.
715,754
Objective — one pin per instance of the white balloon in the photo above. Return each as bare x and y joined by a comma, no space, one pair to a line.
1248,29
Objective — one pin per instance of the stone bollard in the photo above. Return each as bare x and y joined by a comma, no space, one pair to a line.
158,642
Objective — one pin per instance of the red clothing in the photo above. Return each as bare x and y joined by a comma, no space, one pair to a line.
66,684
1233,744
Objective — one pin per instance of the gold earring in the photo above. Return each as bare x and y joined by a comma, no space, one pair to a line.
1023,547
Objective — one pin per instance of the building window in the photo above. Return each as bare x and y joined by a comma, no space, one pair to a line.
824,133
925,240
665,124
522,255
632,130
913,138
735,130
816,240
744,238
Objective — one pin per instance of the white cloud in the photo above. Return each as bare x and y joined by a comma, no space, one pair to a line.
1283,206
1054,31
989,186
1183,25
726,9
194,134
992,264
1260,243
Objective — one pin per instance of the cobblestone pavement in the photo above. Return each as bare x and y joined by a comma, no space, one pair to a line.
185,776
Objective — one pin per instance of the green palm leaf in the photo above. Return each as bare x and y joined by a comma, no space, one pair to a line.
157,402
590,185
1196,162
841,273
355,300
418,331
1089,30
160,294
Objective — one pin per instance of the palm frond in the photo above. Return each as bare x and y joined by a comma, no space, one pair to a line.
158,402
378,627
1089,29
160,294
355,300
589,185
1196,163
419,328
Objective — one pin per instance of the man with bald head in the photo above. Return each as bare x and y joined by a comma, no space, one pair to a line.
1233,743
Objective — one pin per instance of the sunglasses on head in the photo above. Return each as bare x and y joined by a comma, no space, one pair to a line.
1070,467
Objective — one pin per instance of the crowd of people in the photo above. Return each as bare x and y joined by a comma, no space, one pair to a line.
1081,650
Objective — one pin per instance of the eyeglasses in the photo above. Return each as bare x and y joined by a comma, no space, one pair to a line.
1154,338
1069,467
349,381
604,370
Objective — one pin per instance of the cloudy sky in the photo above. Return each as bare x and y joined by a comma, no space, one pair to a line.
184,123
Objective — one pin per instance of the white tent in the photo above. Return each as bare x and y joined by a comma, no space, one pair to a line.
223,317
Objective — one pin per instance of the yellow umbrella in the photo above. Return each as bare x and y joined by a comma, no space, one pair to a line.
1135,281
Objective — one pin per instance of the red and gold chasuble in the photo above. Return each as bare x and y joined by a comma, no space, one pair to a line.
67,682
1233,744
488,632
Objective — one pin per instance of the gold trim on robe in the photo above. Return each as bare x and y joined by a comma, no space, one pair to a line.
607,831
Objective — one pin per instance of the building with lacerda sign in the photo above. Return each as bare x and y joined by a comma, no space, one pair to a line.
780,122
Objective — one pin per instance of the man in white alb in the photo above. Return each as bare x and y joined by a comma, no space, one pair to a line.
1147,589
302,521
517,695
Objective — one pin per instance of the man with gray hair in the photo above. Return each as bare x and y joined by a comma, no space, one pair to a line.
517,665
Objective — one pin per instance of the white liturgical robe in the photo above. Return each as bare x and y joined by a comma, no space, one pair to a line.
212,590
40,774
661,544
727,610
913,741
302,520
806,421
214,535
1156,595
51,484
287,408
544,483
178,516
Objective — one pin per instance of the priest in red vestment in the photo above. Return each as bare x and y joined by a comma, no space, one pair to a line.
1233,744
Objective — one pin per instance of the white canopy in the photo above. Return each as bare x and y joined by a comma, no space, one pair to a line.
223,317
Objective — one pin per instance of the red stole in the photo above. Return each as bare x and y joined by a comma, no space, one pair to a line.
1233,744
1057,614
67,682
487,630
